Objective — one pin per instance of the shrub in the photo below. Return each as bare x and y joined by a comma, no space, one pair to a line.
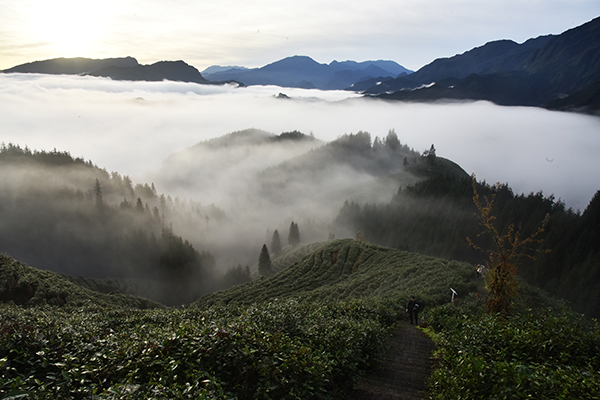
551,354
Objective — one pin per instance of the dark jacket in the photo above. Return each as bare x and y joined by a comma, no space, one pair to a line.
413,305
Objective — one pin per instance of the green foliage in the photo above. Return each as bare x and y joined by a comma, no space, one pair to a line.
436,215
264,261
501,277
543,354
276,244
67,215
182,269
282,349
308,331
24,285
267,339
345,270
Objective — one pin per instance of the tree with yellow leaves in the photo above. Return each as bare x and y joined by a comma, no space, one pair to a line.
500,278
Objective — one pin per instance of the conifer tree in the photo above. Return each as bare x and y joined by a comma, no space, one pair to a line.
294,234
276,243
377,144
264,262
98,190
139,206
391,140
125,205
430,155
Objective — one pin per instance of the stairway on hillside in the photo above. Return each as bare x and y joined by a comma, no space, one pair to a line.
403,370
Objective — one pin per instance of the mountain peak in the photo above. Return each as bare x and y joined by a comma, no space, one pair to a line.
71,66
303,71
293,62
161,70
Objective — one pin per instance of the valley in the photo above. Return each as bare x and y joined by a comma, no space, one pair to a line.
256,233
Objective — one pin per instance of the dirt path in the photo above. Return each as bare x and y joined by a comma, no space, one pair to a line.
403,371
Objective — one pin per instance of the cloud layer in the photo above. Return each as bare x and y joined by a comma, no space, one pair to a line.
132,127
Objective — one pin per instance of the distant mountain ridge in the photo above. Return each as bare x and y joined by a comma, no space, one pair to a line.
555,71
71,66
162,70
127,68
493,57
295,71
304,72
559,72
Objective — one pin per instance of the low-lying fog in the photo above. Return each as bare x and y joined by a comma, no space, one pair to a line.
132,127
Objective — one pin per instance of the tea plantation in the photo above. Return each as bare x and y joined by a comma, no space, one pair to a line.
307,332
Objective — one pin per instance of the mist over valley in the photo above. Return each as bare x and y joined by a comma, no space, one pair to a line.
133,127
170,182
192,206
230,165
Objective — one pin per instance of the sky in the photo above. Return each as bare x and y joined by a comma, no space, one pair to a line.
132,127
254,33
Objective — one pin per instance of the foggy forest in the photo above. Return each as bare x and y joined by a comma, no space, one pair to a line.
245,201
67,215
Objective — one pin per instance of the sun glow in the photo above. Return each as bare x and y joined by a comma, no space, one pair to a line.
69,27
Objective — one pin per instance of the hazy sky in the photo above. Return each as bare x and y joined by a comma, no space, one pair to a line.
132,127
254,33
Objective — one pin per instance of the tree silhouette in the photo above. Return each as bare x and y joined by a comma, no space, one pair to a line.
98,192
430,155
181,268
294,234
391,140
264,262
276,243
377,144
139,206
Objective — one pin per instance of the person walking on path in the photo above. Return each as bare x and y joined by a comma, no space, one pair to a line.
413,308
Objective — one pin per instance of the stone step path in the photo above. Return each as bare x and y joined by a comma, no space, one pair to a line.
403,371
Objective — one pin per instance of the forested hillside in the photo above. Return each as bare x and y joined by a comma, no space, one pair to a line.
263,182
66,215
26,286
436,216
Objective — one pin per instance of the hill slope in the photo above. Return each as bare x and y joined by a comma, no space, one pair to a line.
30,286
347,269
70,66
533,73
493,57
177,71
126,68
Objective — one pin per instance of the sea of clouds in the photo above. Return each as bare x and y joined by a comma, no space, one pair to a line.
132,127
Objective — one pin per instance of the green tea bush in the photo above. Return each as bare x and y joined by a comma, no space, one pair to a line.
306,332
551,354
279,350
